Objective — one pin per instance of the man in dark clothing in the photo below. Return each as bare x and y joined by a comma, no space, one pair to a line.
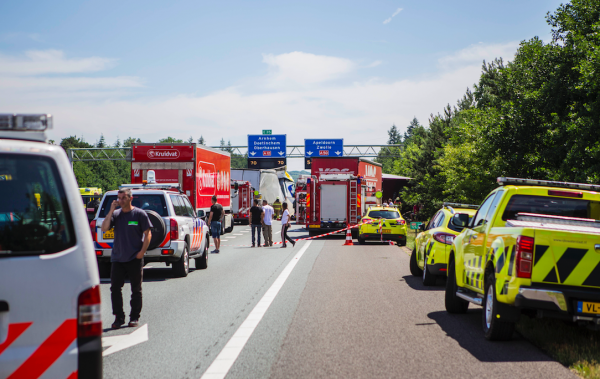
132,237
214,221
256,220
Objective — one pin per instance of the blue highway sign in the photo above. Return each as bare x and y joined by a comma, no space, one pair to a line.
323,147
267,146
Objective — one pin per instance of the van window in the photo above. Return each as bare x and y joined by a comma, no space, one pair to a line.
178,205
483,210
188,207
552,206
390,215
34,214
154,203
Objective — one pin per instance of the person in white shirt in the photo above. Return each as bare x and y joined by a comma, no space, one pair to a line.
267,220
285,225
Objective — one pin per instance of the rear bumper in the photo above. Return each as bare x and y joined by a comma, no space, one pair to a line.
557,301
154,255
437,268
385,237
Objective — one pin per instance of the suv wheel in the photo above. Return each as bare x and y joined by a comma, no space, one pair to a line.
361,240
202,262
454,304
181,268
494,329
428,278
414,267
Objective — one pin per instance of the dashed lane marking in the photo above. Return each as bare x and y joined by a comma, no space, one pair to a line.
222,364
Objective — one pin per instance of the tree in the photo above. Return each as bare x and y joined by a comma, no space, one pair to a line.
170,140
190,140
102,142
201,140
130,141
394,137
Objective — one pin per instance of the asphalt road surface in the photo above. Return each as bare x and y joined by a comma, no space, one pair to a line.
319,310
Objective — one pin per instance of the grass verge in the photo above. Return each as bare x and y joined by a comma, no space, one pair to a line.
576,347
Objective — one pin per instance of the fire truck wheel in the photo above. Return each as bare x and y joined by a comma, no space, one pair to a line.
202,262
181,268
104,269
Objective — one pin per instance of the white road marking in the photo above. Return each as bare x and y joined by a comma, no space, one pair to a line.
238,234
230,237
222,364
245,231
118,343
223,240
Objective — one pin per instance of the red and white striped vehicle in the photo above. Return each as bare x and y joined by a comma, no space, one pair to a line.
50,321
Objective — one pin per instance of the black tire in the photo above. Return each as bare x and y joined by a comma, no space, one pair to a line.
104,269
428,278
181,268
361,241
414,267
493,328
158,229
230,229
454,304
202,262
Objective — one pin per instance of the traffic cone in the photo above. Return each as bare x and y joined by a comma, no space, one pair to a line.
348,238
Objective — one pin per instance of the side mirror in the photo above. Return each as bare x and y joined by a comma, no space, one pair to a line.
422,227
201,213
236,186
460,220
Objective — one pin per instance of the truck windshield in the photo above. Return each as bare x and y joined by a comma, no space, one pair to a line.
554,206
384,214
154,203
34,213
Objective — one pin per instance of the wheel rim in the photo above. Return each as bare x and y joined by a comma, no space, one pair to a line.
489,302
424,266
186,261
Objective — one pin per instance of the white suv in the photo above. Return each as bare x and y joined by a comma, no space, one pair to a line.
50,320
178,234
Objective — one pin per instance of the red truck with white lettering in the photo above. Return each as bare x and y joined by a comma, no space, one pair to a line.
200,171
242,195
339,191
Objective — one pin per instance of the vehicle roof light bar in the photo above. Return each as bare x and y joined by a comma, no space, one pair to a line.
25,122
160,186
503,181
459,205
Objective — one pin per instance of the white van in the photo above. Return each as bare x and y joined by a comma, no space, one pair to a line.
50,321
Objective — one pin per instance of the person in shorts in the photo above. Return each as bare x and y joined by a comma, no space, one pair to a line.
267,221
256,221
214,220
132,237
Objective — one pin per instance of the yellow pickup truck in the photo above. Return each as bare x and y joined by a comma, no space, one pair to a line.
533,247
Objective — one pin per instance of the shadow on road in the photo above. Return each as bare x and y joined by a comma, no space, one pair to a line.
416,283
467,331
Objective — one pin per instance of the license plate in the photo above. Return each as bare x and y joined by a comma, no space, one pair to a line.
110,235
387,231
586,307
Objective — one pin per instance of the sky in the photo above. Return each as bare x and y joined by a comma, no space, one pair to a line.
225,69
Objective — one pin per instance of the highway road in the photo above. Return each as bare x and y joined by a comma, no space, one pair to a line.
319,310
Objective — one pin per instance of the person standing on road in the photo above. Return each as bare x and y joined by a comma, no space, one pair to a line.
93,205
285,225
256,215
277,208
132,237
267,221
214,220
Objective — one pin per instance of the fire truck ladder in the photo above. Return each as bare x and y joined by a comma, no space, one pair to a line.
353,202
245,206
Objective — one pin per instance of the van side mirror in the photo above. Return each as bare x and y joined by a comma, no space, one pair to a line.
460,220
201,213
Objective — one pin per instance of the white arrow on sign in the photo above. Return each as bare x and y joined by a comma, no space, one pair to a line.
118,343
338,152
309,153
281,153
253,153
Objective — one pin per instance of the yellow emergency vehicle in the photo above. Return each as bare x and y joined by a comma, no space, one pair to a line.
382,224
432,245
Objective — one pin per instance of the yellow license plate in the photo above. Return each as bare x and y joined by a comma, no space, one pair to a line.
387,231
586,307
314,226
110,235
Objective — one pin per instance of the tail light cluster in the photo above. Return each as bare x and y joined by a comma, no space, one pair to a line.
89,318
400,221
174,230
445,238
93,230
524,257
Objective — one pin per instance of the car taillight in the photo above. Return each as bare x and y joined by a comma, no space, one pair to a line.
444,238
400,222
93,229
524,251
89,318
174,230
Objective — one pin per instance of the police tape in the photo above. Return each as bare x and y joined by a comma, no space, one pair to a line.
315,237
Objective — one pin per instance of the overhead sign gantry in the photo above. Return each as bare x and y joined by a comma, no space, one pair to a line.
267,150
332,147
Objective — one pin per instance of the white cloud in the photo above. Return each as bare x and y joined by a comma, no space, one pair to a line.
36,62
305,69
360,111
388,20
475,54
374,64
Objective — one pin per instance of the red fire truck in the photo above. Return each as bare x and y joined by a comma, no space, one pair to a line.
339,192
242,195
200,171
300,193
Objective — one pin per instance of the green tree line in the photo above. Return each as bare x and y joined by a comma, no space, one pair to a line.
108,175
536,116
